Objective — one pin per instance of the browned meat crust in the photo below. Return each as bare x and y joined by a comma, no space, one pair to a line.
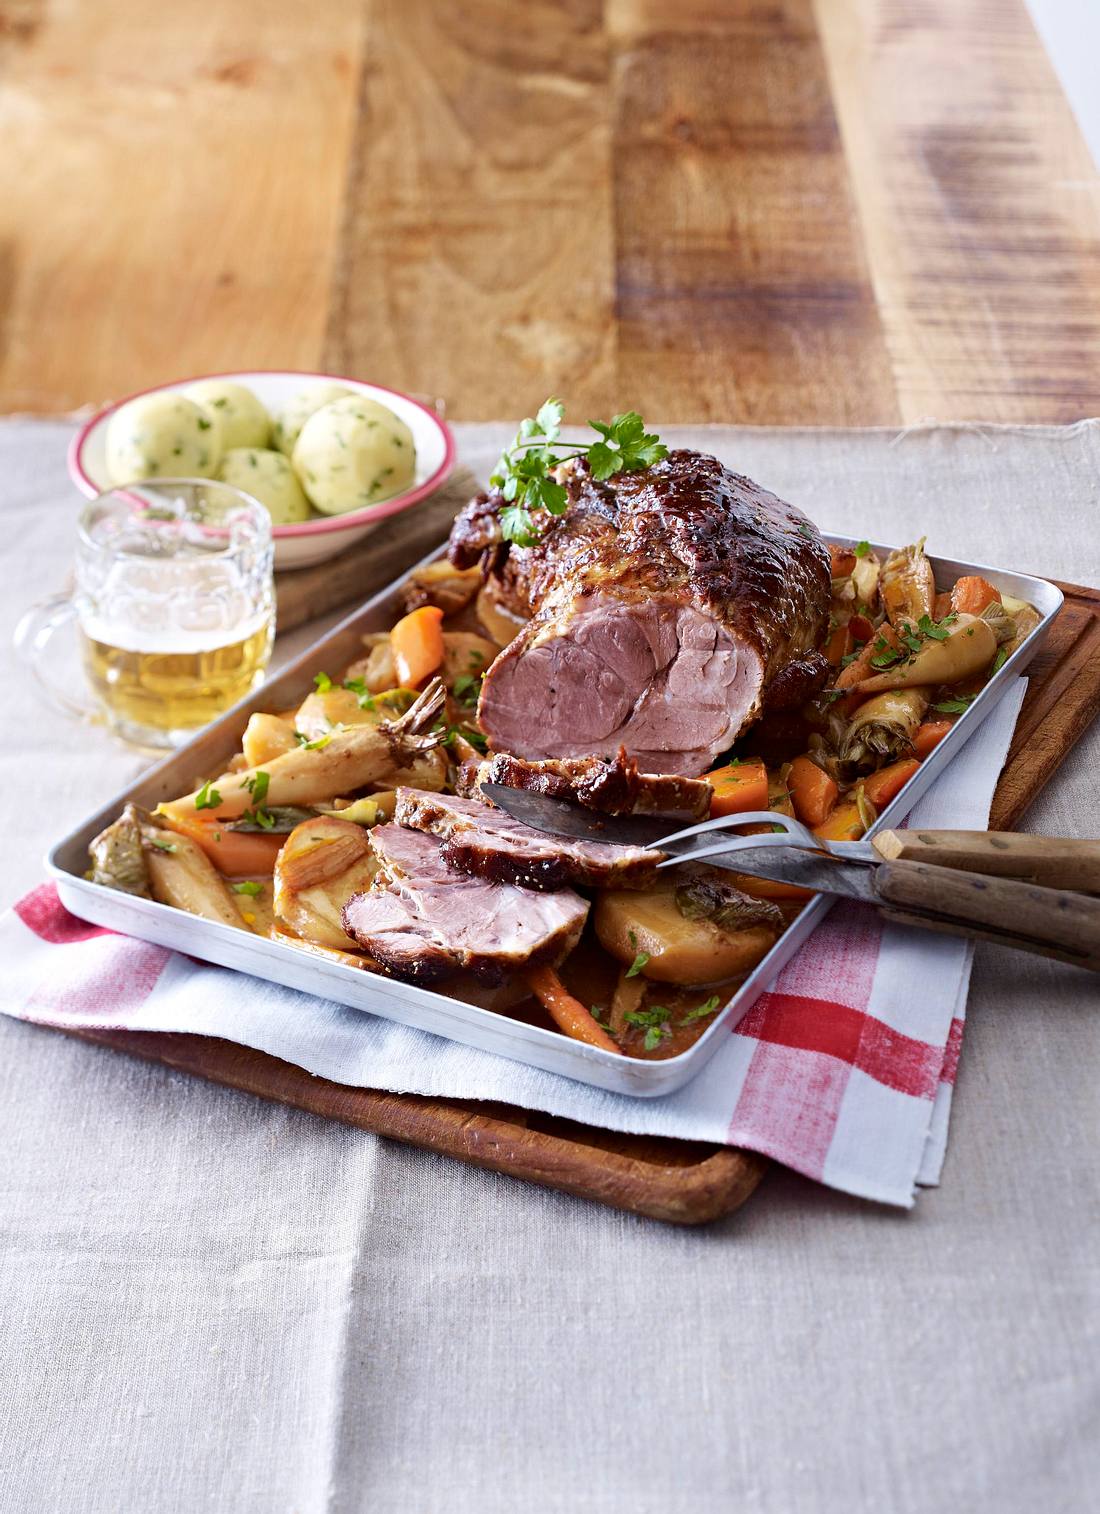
610,787
665,607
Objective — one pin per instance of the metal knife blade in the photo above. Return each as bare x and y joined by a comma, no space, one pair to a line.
783,864
557,817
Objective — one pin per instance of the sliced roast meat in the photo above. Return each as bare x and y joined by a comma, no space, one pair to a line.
665,606
421,920
610,786
478,838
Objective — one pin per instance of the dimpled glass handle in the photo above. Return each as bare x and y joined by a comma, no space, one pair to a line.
32,637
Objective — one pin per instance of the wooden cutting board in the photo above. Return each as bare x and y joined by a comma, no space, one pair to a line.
680,1181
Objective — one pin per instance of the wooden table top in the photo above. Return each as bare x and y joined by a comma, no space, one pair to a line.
876,211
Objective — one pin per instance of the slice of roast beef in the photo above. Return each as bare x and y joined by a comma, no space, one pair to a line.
665,607
421,920
610,786
478,838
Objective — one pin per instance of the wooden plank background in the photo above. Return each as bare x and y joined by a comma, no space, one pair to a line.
875,211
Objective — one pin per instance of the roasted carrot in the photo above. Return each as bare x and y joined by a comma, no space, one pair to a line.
929,735
972,594
237,854
885,785
838,645
941,606
813,792
567,1013
738,786
844,824
417,642
768,888
861,628
885,640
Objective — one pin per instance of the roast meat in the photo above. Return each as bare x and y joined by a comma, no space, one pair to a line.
422,921
611,786
668,608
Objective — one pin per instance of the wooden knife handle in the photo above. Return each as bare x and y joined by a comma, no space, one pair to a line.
1050,860
1052,922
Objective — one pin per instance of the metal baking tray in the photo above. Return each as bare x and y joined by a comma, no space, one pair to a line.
421,1007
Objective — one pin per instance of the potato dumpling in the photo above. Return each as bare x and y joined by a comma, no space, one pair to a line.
305,403
245,421
353,453
268,477
162,436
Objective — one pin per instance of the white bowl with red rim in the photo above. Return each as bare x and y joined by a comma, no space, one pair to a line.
309,541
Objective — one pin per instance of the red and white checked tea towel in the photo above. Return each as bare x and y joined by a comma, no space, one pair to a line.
843,1071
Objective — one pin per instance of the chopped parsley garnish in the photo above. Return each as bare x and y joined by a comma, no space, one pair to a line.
322,683
862,548
702,1010
207,797
884,654
1000,660
640,958
524,473
250,888
467,733
163,846
358,686
955,706
319,743
850,657
467,687
257,786
653,1021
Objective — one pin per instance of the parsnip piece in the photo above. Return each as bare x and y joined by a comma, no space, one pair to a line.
322,864
182,875
466,655
968,648
680,950
351,759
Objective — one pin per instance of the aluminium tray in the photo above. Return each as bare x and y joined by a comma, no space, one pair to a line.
424,1008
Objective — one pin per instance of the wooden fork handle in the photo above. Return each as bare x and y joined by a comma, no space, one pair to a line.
1052,922
1050,860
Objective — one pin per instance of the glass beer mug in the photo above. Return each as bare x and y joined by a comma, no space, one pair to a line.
174,605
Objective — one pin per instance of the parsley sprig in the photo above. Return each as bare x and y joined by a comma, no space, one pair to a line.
524,473
259,814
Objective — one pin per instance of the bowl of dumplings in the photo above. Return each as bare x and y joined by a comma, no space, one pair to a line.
329,458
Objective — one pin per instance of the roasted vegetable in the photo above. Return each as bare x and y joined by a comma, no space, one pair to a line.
323,862
883,787
813,791
738,786
441,584
684,948
967,646
350,759
183,875
265,738
970,596
118,857
417,642
568,1013
907,587
884,727
502,624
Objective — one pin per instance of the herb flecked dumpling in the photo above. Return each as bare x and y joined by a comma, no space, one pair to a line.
245,421
354,453
268,477
306,402
162,436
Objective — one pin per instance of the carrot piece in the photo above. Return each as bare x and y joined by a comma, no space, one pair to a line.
838,645
417,642
861,628
929,735
567,1013
971,595
237,854
813,792
885,785
739,786
941,606
768,888
886,639
844,824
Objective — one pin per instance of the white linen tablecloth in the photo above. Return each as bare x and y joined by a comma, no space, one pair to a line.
212,1303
